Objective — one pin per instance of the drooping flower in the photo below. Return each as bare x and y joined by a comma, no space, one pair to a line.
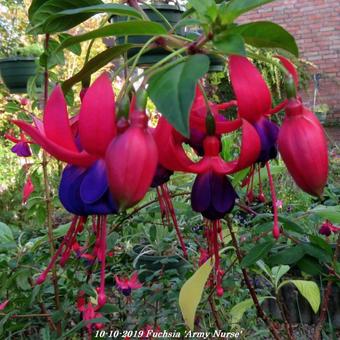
212,194
27,190
21,147
327,228
127,285
80,141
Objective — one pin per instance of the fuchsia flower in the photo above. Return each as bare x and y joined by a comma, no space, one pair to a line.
328,228
212,194
89,312
4,304
27,190
126,285
21,147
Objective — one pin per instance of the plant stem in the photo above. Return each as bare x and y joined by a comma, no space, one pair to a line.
214,312
326,297
283,311
135,5
48,200
260,311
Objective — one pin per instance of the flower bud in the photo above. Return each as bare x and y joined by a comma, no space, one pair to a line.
131,161
303,147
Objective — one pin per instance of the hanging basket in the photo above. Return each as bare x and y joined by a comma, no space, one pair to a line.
173,15
16,71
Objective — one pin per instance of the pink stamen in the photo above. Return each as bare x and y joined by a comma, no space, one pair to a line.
71,240
43,275
276,229
170,207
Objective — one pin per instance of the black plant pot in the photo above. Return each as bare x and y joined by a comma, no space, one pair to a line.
153,263
16,71
173,15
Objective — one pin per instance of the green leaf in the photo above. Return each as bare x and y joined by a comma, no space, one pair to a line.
331,213
109,308
53,56
173,90
267,34
316,252
12,107
290,225
42,11
234,8
137,27
321,243
22,280
191,293
288,256
76,49
95,64
6,234
278,272
256,253
230,43
309,265
35,5
264,268
238,310
309,290
207,8
63,20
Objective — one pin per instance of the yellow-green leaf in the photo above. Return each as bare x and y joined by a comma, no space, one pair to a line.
238,310
191,293
309,290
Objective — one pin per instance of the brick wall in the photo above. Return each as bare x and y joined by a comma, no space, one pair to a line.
316,27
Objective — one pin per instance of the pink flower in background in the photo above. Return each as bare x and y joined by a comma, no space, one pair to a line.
126,285
328,228
89,312
28,189
21,147
4,304
279,204
24,101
